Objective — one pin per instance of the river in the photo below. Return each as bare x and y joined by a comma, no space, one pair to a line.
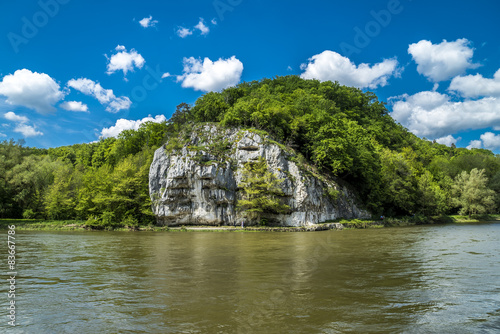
422,279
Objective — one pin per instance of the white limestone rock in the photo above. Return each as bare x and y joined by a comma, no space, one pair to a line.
198,184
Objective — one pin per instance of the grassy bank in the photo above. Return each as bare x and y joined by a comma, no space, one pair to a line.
475,218
339,224
41,224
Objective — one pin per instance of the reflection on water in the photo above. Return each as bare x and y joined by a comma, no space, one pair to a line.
428,279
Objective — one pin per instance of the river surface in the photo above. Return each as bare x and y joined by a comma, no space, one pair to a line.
424,279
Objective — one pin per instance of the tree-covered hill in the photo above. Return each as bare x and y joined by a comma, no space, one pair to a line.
341,130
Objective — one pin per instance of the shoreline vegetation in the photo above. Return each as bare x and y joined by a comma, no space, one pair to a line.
339,224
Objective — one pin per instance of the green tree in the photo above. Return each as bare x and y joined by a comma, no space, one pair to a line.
181,115
103,154
60,197
400,182
261,191
431,199
471,193
210,107
30,180
115,194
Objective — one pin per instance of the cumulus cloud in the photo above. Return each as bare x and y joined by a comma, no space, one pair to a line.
89,87
210,76
448,140
440,62
119,103
74,106
183,32
21,126
33,90
476,85
148,22
214,21
11,116
125,124
474,144
124,61
202,27
27,130
330,65
490,140
104,96
433,114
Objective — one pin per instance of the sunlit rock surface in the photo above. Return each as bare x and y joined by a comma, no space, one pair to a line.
196,183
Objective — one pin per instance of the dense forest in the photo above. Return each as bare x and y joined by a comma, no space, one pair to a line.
341,130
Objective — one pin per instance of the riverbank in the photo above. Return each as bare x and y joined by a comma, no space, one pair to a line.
341,224
80,225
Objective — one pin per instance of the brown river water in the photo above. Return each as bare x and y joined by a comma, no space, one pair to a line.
422,279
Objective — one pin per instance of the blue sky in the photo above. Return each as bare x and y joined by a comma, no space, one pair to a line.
72,71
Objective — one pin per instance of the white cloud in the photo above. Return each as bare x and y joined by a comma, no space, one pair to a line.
330,65
3,135
202,27
74,106
119,103
124,61
11,116
148,22
104,96
474,144
33,90
27,130
490,140
125,124
476,85
165,75
432,114
440,62
209,75
183,32
89,87
21,126
448,140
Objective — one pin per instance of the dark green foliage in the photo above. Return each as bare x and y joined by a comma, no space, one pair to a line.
209,108
261,193
181,115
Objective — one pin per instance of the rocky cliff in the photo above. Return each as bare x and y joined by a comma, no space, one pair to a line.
194,179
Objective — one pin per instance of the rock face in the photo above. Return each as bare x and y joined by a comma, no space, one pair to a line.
194,181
